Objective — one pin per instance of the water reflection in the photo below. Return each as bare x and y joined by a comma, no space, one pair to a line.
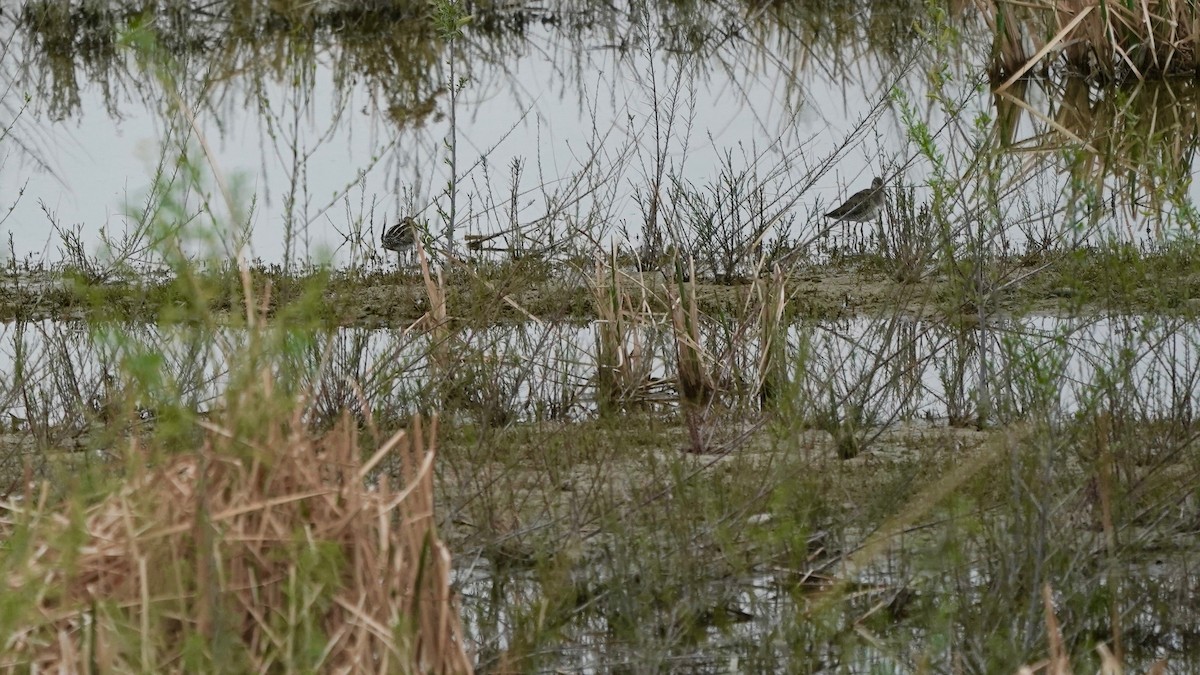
1127,150
782,625
569,124
874,373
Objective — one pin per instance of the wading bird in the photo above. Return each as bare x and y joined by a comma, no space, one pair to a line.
862,206
401,237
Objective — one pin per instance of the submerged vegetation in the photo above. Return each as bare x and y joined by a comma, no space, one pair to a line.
713,431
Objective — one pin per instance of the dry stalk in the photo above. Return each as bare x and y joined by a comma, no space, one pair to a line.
247,556
695,379
436,319
622,369
696,384
772,353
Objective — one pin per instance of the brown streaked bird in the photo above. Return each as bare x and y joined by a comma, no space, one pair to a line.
862,206
400,237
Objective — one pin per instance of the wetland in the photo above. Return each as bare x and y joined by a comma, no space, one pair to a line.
630,402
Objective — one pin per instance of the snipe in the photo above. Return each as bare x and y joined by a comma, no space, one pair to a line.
401,237
862,206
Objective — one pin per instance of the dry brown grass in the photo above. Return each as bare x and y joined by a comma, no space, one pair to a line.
273,558
623,368
693,363
1100,38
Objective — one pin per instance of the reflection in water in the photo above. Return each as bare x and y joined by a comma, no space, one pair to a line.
770,620
877,372
662,596
1128,150
606,121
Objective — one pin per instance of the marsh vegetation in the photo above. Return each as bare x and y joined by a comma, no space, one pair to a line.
631,403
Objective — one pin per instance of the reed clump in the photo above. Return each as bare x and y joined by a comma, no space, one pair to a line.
694,365
623,371
1102,40
284,559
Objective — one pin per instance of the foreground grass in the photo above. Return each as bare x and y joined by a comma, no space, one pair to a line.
783,556
603,541
241,541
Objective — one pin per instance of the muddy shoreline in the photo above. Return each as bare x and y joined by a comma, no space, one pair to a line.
517,291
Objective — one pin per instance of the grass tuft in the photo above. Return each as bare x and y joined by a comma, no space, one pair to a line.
283,558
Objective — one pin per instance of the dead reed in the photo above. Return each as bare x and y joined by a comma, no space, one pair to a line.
284,559
693,363
622,366
1101,39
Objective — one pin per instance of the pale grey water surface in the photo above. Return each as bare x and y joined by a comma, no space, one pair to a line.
326,155
898,370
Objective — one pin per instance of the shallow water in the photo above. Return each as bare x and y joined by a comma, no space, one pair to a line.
329,149
768,611
891,371
574,128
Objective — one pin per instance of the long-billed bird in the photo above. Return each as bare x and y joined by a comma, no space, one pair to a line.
401,237
862,206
